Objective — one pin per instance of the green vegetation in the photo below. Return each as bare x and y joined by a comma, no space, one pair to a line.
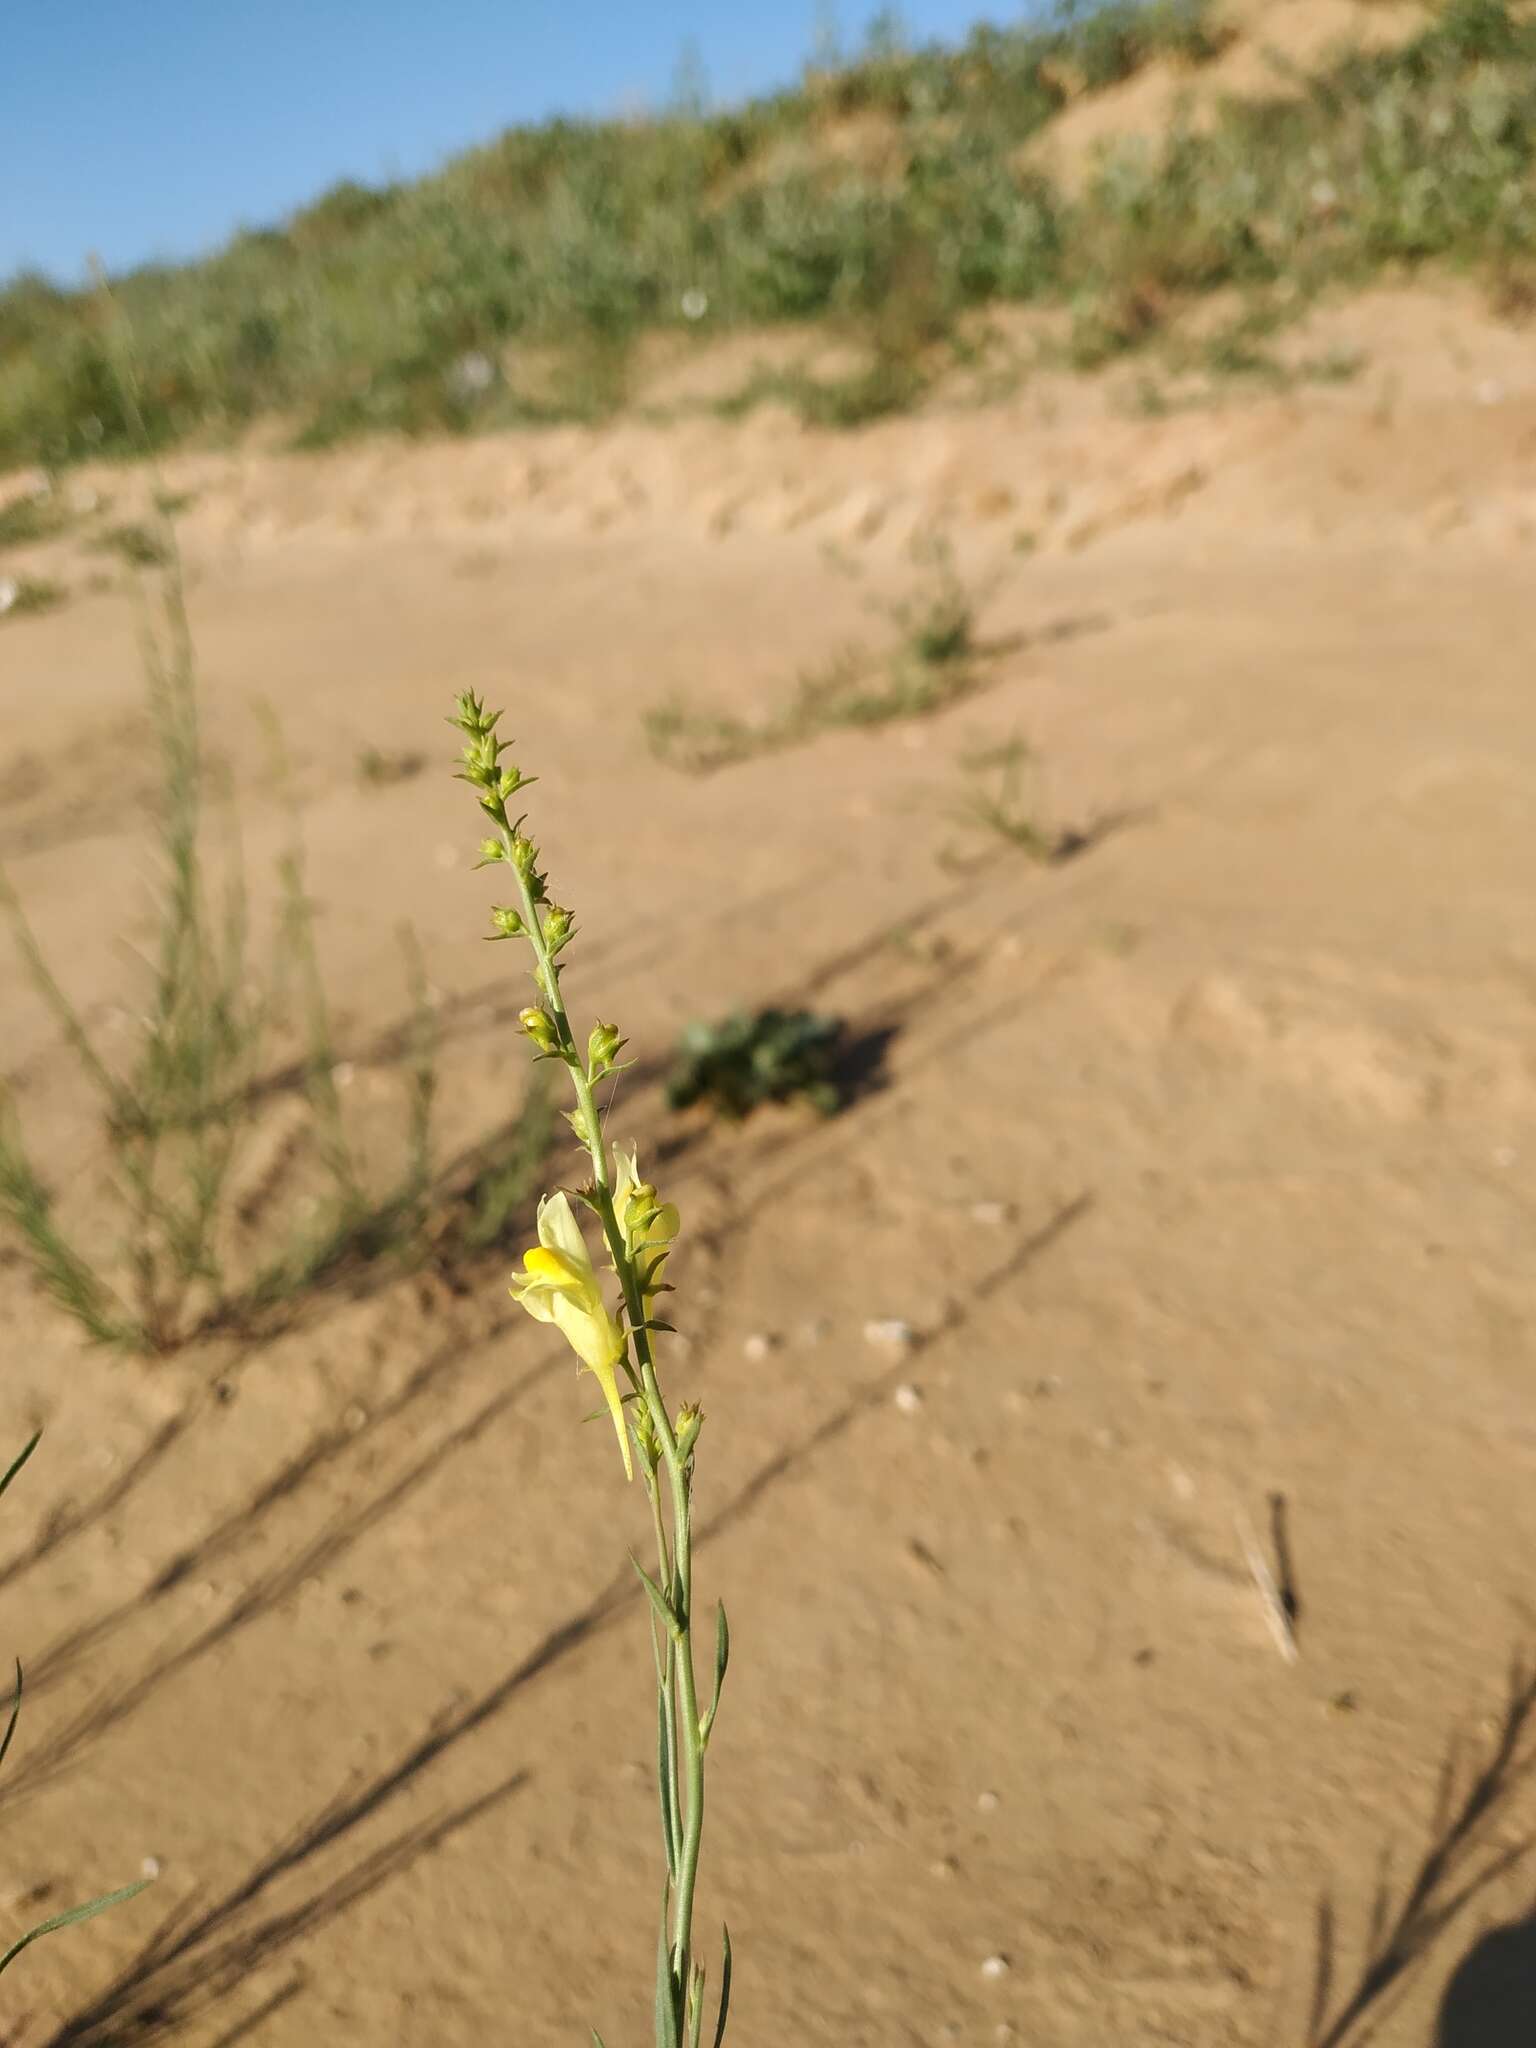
933,661
887,198
140,546
20,595
166,1241
743,1061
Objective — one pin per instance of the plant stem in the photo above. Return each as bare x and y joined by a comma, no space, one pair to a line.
678,1470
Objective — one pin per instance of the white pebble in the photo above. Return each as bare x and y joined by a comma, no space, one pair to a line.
343,1073
888,1330
990,1213
356,1417
150,1867
10,590
757,1346
995,1966
987,1802
908,1398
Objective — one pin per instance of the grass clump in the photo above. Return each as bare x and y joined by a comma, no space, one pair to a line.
743,1061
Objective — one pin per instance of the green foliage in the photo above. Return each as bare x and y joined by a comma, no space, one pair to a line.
74,1914
933,661
743,1061
33,516
21,596
140,546
425,308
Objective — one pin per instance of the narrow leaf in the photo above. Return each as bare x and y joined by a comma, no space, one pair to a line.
696,2008
71,1919
17,1463
666,1988
597,2039
722,1647
10,1727
659,1600
664,1738
725,1987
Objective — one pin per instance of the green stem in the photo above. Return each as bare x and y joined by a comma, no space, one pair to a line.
548,983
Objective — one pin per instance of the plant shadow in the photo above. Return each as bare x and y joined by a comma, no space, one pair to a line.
1470,1850
1490,2002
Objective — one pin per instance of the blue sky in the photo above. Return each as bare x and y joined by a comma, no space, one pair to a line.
137,129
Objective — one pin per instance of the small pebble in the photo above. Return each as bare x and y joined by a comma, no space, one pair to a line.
987,1802
150,1867
758,1346
908,1398
995,1966
889,1330
343,1073
356,1417
991,1213
945,1867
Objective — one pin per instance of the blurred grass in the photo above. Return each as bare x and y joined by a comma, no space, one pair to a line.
886,197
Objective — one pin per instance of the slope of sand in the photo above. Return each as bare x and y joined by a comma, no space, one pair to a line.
1200,1169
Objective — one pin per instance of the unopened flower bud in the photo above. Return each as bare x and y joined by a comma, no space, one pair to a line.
690,1420
540,1027
507,922
490,850
647,1442
524,854
603,1048
558,927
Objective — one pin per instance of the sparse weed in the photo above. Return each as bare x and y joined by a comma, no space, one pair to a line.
175,1117
140,546
21,596
932,661
36,515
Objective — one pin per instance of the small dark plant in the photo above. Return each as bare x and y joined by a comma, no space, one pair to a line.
745,1060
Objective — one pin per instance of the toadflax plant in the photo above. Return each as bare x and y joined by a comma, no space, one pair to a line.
614,1332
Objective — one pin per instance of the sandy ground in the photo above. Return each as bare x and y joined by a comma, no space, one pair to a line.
1200,1168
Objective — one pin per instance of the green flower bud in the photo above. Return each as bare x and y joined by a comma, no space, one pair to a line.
490,850
558,927
507,922
690,1420
524,854
540,1027
647,1442
603,1048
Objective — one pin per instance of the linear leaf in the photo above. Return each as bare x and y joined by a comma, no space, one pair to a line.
10,1726
71,1919
665,1735
18,1462
725,1987
659,1601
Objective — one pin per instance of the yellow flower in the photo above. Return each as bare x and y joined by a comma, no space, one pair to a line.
649,1226
560,1287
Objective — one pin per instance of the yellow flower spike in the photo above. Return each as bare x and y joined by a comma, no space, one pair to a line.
649,1226
559,1286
